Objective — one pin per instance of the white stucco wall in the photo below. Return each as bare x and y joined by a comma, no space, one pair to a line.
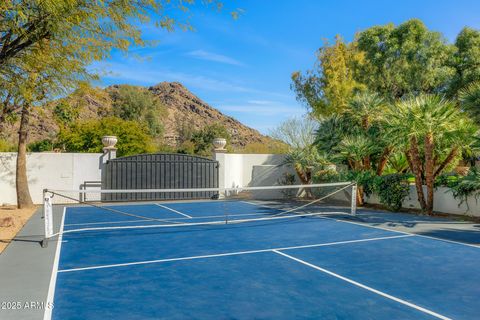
48,170
70,170
242,170
443,201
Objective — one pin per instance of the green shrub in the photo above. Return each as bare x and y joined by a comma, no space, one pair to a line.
86,136
202,140
139,104
41,146
467,186
391,189
446,180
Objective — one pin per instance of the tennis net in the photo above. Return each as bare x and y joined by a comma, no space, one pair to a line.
103,210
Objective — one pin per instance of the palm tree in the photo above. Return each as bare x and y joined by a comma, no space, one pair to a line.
432,132
356,136
470,100
362,121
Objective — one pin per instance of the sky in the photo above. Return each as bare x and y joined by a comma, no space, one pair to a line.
242,67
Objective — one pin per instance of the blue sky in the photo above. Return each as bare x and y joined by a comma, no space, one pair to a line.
242,67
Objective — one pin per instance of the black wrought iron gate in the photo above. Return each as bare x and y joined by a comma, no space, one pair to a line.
160,171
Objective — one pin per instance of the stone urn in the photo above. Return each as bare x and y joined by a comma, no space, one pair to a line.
109,142
219,143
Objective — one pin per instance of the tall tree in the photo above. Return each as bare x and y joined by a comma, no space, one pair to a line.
356,136
93,24
328,87
357,139
466,61
41,39
432,132
37,77
91,28
407,59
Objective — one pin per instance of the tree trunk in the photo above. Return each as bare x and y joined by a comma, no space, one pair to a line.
359,196
383,161
429,174
304,178
24,200
416,165
367,165
453,153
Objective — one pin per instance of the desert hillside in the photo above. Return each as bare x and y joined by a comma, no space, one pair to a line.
183,108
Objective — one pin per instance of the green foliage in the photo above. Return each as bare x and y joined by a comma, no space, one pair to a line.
466,60
402,60
467,186
354,150
41,146
65,113
446,180
397,163
392,190
308,162
470,100
87,136
426,115
331,132
327,88
274,147
136,103
355,137
363,179
433,132
201,141
6,146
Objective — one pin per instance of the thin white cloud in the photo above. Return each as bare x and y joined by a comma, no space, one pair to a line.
260,102
264,110
215,57
143,74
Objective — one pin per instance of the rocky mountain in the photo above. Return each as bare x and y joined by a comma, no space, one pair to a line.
184,109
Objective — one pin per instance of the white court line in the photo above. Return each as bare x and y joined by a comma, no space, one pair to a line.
188,224
106,222
53,279
232,253
173,219
358,284
173,210
365,224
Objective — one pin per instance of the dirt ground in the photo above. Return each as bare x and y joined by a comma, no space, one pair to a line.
11,221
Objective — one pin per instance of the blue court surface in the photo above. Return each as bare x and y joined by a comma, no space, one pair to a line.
297,268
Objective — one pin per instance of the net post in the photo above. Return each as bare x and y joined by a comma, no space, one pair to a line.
354,200
47,218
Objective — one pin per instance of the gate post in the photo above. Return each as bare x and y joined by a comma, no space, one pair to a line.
219,154
109,147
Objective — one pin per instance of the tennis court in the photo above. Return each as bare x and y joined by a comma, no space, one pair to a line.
244,258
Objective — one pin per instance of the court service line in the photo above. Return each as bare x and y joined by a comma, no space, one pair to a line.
358,284
365,224
53,278
232,253
176,219
173,210
106,222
